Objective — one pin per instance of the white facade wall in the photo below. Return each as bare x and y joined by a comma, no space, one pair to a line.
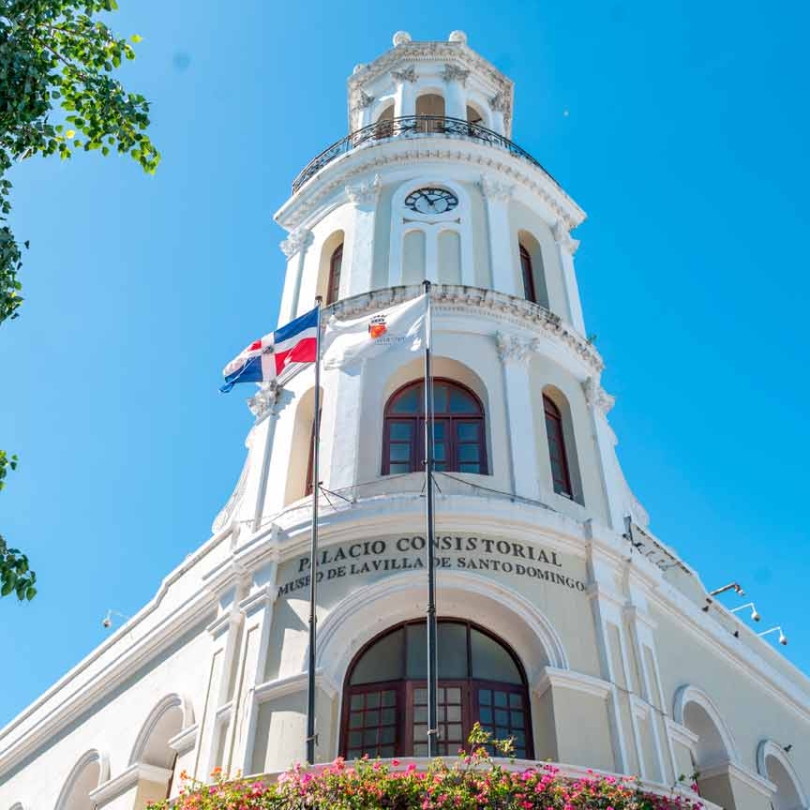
623,669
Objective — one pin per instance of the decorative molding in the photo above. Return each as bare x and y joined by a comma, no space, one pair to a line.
263,400
495,189
363,100
271,690
406,75
365,193
375,156
737,772
640,708
597,397
575,681
563,238
185,740
85,760
769,748
691,694
261,598
298,239
454,73
128,779
513,349
169,702
475,300
681,734
501,103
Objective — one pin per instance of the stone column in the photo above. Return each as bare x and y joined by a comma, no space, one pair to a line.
641,628
217,706
341,427
501,258
358,250
566,247
404,97
257,609
294,248
501,107
455,100
599,404
515,354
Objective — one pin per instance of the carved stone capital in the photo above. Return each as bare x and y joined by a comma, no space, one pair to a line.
407,75
495,189
513,349
453,73
298,239
264,399
363,100
366,193
500,102
596,396
564,239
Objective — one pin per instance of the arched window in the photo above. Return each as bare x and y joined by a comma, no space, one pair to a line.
385,697
528,275
335,266
458,430
558,456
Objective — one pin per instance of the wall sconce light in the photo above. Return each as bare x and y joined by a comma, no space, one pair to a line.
754,614
732,586
782,637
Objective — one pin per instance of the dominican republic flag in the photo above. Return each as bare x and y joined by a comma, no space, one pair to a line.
277,356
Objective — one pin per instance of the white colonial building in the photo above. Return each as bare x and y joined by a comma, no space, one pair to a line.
563,621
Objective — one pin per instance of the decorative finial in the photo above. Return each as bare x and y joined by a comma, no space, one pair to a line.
358,67
458,36
401,37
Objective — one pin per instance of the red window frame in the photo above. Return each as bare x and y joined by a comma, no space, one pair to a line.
335,269
452,423
527,270
405,689
557,452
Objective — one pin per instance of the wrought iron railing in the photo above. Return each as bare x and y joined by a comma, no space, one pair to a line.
412,126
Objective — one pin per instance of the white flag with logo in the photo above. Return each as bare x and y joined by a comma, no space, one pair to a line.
399,328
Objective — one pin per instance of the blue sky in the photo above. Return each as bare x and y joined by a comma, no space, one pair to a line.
686,143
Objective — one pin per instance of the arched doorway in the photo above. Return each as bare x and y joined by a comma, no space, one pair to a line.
385,695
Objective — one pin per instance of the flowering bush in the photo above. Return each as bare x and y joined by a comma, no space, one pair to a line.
473,782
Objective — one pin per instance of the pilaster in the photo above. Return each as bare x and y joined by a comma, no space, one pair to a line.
404,95
599,404
515,354
566,247
358,251
497,196
455,101
294,248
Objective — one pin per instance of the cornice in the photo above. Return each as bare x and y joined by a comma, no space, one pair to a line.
475,300
184,740
373,157
738,773
271,690
455,54
681,734
128,779
575,681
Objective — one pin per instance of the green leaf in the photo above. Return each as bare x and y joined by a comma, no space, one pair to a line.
136,38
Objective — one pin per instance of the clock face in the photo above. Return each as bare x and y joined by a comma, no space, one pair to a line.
431,201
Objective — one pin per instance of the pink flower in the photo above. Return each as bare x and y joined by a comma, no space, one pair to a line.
411,767
395,762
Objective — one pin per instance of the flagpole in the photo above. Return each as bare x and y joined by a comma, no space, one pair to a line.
313,551
432,660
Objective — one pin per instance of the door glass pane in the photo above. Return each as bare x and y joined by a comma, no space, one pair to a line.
467,432
384,661
398,468
401,430
490,661
452,645
417,655
468,452
400,452
408,401
462,402
439,398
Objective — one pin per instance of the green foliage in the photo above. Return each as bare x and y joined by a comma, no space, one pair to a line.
471,781
58,57
58,94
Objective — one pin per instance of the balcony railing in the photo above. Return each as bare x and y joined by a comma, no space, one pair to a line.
412,126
